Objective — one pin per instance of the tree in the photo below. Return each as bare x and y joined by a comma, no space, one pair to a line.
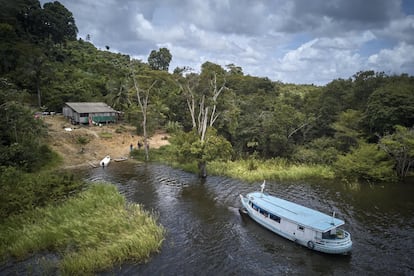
58,22
400,147
202,105
142,98
367,162
187,147
21,133
348,128
160,60
390,105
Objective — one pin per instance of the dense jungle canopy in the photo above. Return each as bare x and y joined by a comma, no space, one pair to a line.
362,126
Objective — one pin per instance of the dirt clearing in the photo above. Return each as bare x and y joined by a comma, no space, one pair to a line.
86,145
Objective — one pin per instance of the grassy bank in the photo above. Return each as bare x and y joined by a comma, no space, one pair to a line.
272,169
90,232
250,170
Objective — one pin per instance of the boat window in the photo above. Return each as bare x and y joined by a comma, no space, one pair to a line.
275,218
301,228
263,212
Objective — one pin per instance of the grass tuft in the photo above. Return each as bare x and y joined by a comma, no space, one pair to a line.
272,169
91,232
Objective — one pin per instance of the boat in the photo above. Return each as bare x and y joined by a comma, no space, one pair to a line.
123,158
305,226
105,162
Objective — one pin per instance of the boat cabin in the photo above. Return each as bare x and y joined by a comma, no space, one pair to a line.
303,225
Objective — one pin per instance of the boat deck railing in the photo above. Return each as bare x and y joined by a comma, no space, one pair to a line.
341,236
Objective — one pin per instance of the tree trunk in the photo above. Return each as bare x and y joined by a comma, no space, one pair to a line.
202,169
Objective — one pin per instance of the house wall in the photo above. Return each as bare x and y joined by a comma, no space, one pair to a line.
104,117
83,118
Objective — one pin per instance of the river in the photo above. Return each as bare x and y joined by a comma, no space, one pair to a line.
206,234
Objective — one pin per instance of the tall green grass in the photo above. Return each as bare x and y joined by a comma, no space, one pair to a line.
273,169
90,232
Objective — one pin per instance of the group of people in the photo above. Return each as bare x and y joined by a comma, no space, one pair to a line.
139,145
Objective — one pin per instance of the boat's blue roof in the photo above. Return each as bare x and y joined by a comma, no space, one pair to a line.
295,212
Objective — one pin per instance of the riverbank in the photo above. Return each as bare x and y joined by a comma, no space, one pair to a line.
86,145
75,233
90,232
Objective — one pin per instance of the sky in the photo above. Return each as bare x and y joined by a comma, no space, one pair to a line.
295,41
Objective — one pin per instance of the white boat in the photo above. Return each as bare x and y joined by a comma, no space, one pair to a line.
105,162
120,159
303,225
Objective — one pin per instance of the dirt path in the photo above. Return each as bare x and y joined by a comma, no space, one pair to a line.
112,139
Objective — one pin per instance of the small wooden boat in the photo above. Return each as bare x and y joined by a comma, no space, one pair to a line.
123,158
303,225
105,162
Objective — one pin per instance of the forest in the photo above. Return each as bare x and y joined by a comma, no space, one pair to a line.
361,127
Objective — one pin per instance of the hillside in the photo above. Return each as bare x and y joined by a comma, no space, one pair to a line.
112,139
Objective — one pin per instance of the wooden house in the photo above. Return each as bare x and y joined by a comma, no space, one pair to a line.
90,113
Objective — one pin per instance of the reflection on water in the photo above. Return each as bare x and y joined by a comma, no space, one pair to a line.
207,235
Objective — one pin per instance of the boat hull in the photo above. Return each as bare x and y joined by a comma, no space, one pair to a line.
105,162
329,246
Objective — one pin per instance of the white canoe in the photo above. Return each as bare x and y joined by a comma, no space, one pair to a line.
104,162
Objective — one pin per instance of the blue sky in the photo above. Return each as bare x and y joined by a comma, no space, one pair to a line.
297,41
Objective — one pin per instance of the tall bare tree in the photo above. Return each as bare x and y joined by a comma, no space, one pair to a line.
207,108
142,98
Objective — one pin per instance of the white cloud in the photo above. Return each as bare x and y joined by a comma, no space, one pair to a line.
296,41
397,60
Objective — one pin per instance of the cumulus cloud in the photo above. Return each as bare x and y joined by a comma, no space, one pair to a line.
296,41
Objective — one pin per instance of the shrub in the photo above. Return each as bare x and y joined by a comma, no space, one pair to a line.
367,163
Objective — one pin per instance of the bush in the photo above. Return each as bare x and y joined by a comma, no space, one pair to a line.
319,151
20,191
83,140
366,163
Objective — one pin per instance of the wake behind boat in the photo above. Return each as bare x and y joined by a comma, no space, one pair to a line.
303,225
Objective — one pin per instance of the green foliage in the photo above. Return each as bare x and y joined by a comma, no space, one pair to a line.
160,60
367,163
187,147
105,135
91,232
20,191
275,169
42,64
390,105
319,151
58,22
400,147
83,140
173,127
21,135
348,128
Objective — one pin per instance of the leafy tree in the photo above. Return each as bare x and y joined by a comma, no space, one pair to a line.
348,128
201,94
21,133
319,151
160,60
400,147
187,147
333,100
367,162
58,22
390,105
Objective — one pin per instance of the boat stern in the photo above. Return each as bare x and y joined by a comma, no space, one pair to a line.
340,244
